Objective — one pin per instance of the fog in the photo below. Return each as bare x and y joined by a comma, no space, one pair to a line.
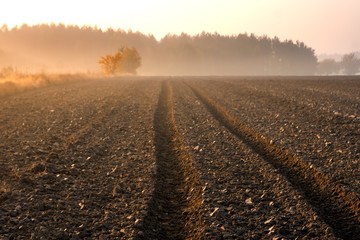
70,49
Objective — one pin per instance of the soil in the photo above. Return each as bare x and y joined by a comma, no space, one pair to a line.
182,158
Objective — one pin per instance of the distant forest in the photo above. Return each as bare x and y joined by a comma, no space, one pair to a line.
63,48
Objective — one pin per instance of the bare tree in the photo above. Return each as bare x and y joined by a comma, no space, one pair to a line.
328,66
350,63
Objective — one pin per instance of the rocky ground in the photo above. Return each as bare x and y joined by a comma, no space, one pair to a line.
77,161
317,119
163,158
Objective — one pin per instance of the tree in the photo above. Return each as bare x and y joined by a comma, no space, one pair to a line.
130,60
74,48
125,61
328,66
107,63
350,63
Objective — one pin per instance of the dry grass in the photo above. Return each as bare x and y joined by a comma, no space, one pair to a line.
13,81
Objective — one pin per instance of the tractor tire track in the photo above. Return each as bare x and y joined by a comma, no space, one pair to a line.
323,130
175,210
245,196
339,207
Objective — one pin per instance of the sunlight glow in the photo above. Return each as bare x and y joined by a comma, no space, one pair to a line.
326,25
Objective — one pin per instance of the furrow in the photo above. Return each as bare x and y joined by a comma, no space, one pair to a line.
95,182
175,210
339,207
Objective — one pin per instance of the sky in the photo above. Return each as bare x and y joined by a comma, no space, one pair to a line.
328,26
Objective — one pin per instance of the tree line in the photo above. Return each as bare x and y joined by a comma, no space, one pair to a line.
73,48
349,64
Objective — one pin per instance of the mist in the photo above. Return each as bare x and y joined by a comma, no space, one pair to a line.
71,49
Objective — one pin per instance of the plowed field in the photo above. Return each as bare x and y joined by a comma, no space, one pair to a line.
182,158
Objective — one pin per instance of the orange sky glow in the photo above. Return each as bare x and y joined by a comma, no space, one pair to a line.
328,26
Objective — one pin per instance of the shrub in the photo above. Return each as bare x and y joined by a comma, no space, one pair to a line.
125,61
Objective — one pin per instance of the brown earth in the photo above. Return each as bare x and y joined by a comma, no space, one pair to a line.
182,158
